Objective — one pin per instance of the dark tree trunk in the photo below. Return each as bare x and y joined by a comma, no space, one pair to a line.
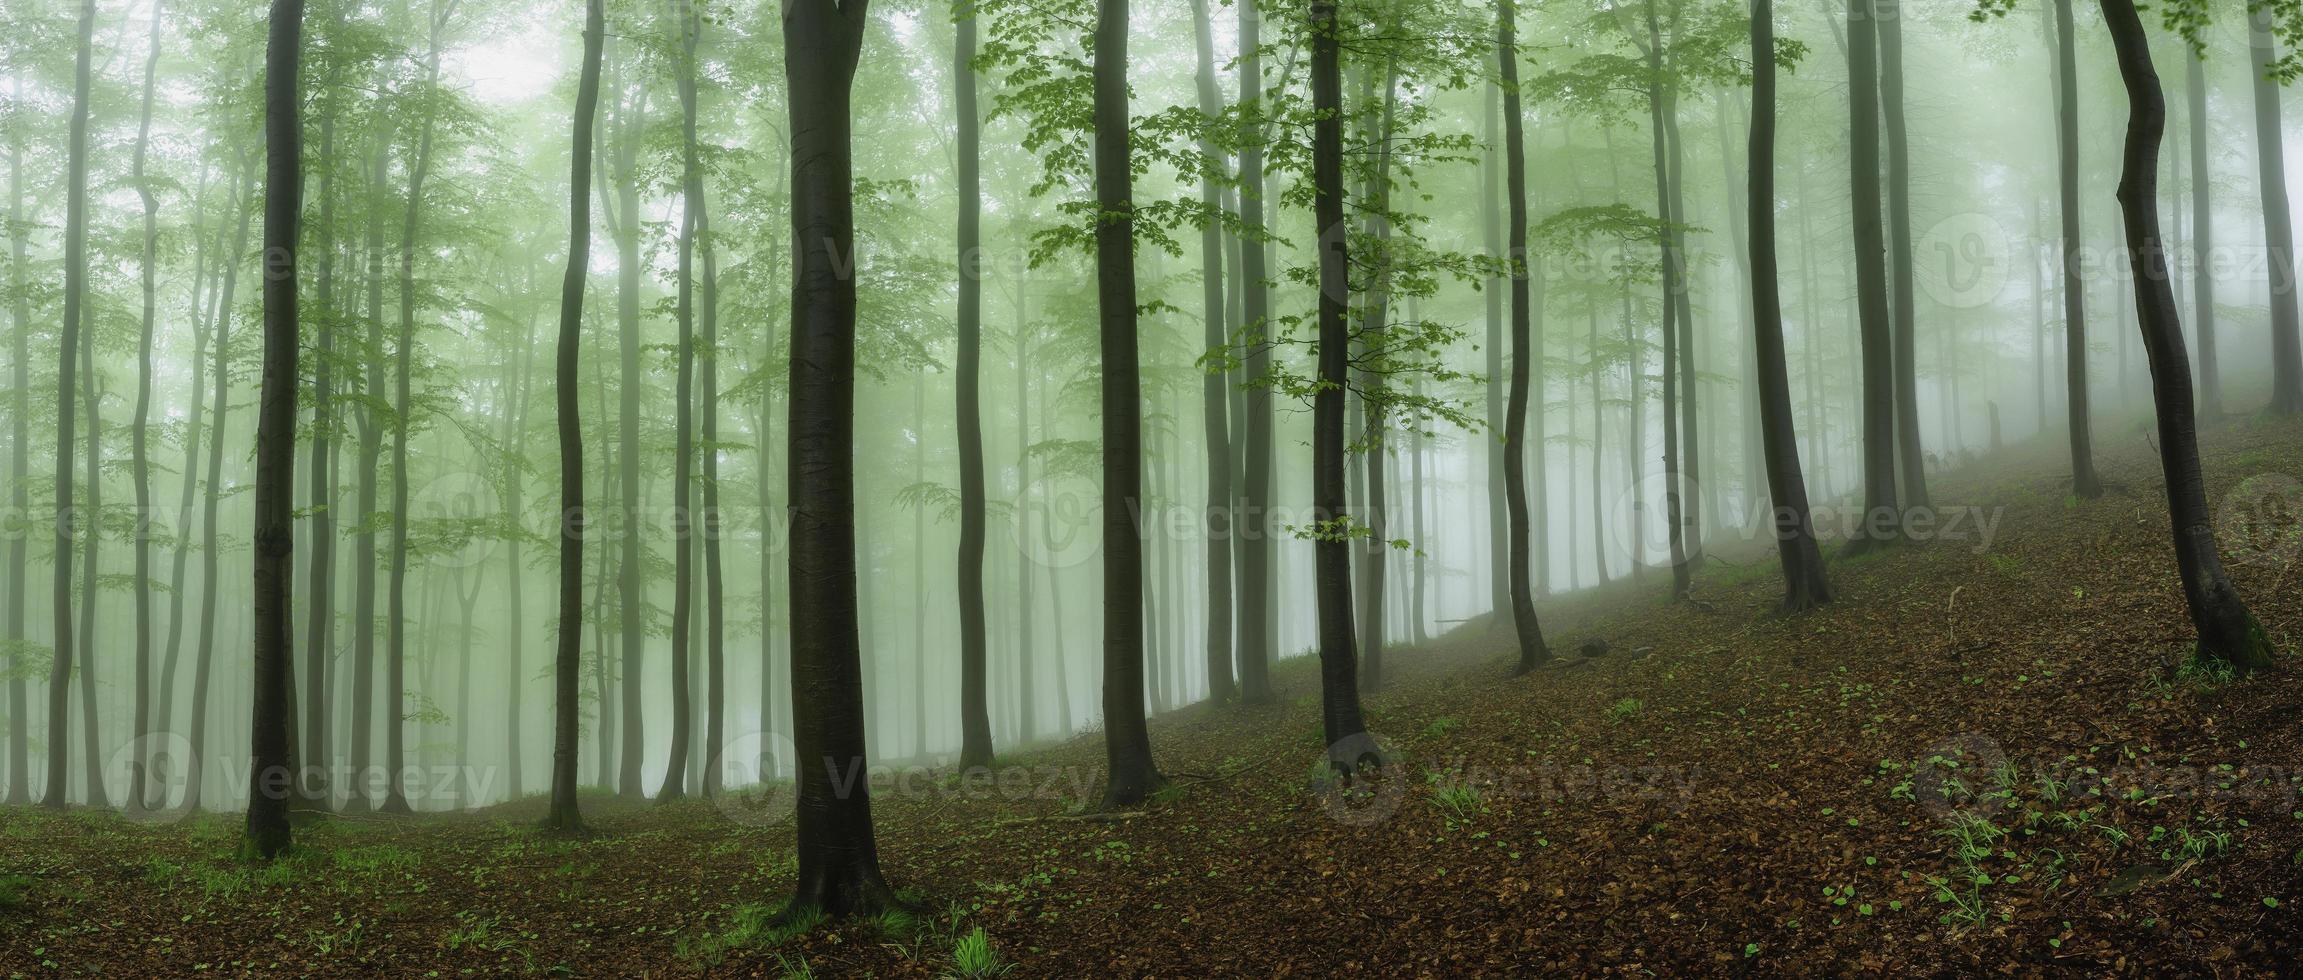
20,466
1127,742
312,784
139,463
403,354
1257,622
839,867
1340,721
1910,459
1804,585
2227,631
1216,426
975,714
271,779
2202,240
2278,220
2084,483
1882,510
68,344
683,414
1491,226
1532,651
631,556
371,448
1675,457
567,656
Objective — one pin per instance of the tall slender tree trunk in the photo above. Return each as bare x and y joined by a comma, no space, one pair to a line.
1127,743
839,869
1674,460
1258,622
204,662
403,354
1882,508
631,557
371,447
313,788
683,412
975,714
1491,228
1910,459
2227,630
2084,483
2202,238
1215,425
1341,724
1804,585
567,643
20,458
1532,651
2278,218
139,464
271,778
68,344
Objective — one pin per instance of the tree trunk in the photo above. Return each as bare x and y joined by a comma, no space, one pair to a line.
975,714
2084,483
839,868
2227,631
312,784
1532,651
2202,239
1127,743
1257,572
203,665
631,590
403,354
1911,460
1674,286
1882,508
567,653
683,413
139,463
1804,585
68,344
1340,721
271,780
2278,219
20,463
1215,425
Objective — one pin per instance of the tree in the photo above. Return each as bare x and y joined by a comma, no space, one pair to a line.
1257,624
1532,651
2227,630
2084,483
1804,585
139,462
683,438
1216,428
839,868
2278,217
2202,237
1132,775
20,459
1333,529
975,715
68,344
567,657
271,781
403,422
1911,461
1882,507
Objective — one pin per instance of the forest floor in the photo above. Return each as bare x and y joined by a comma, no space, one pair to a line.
1980,759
